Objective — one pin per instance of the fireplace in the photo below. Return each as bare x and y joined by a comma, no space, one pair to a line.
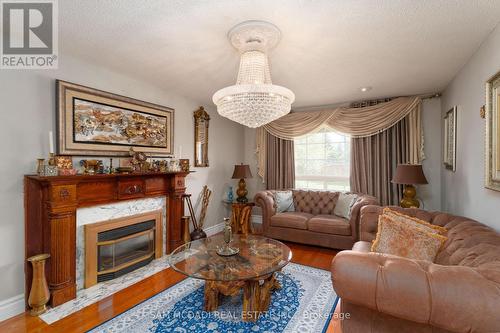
117,247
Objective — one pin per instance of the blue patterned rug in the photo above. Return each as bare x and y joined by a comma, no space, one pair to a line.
305,303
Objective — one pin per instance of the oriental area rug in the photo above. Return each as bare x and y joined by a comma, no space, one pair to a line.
304,303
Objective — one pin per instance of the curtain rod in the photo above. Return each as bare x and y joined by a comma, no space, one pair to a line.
322,107
430,96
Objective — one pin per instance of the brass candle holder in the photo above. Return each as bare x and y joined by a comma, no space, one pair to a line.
40,168
52,159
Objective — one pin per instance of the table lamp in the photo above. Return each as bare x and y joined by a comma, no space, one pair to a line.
409,174
241,172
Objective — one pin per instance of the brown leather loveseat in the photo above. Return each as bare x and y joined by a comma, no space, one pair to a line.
460,292
313,221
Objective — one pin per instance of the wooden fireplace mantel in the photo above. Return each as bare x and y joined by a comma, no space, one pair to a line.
50,217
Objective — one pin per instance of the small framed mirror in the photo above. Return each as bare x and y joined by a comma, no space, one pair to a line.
201,120
492,168
450,139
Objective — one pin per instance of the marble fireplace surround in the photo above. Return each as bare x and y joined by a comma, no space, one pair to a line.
100,213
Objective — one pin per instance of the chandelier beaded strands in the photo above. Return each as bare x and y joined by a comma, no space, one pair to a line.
254,100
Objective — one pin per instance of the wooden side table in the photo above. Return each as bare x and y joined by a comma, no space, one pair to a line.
241,216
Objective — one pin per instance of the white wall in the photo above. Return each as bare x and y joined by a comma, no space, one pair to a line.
27,102
463,191
430,193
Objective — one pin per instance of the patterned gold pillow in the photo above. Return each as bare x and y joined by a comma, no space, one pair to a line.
424,225
406,240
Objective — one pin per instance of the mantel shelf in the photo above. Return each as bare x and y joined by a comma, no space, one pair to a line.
105,176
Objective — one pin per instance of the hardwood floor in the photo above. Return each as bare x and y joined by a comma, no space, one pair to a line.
97,313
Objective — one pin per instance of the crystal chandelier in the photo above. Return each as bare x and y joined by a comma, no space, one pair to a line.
254,101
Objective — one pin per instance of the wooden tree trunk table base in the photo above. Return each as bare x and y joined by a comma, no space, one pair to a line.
256,295
241,218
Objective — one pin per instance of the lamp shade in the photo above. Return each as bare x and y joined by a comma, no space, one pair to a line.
242,171
409,174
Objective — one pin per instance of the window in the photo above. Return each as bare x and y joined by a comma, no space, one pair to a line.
322,161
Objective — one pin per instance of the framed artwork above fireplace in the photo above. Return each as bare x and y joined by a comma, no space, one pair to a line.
95,122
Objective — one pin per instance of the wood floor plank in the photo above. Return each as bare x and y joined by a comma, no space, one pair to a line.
111,306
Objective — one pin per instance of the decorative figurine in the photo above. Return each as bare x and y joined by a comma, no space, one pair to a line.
91,166
230,196
184,162
139,160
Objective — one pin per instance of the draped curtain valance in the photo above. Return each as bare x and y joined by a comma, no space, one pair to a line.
355,122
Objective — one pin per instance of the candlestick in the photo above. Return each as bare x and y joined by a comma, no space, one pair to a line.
52,159
51,143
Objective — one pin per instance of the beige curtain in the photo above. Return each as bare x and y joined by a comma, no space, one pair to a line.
374,159
280,164
357,122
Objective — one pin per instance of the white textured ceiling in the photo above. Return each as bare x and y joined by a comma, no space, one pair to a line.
329,48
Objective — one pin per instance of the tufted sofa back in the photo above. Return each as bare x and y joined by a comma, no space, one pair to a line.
469,243
315,202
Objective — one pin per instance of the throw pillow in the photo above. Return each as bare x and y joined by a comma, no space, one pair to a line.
283,201
344,205
405,240
426,226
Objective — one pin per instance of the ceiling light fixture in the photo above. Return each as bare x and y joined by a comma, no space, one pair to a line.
365,89
254,101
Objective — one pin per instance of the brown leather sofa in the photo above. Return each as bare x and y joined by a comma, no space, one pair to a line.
313,221
460,292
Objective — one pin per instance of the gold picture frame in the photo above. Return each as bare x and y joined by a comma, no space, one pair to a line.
201,124
94,122
492,144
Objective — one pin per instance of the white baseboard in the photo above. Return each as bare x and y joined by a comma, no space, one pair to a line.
11,307
215,229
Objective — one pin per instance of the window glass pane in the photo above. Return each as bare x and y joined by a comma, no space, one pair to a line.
315,151
336,152
301,183
322,161
300,167
335,137
301,140
300,150
315,167
318,137
316,185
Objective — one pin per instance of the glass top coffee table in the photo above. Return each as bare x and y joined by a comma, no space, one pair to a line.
253,269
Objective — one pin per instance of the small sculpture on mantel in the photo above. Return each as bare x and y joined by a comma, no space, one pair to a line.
139,161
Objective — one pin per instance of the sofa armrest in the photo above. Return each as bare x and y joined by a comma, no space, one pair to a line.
455,298
368,222
265,200
362,201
